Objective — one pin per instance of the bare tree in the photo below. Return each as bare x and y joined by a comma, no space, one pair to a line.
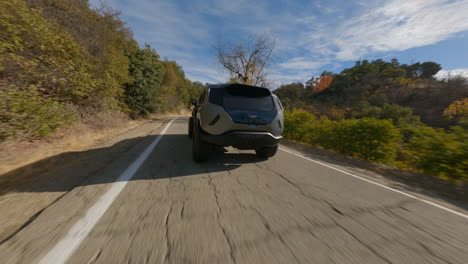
246,62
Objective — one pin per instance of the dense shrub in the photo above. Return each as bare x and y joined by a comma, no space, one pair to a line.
36,53
298,125
433,151
458,111
438,152
103,36
24,114
41,68
366,138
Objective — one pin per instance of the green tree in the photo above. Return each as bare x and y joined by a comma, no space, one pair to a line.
429,69
147,72
423,70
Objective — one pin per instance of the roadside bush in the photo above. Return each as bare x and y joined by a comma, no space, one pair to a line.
366,138
41,69
25,115
438,152
458,111
103,36
35,52
298,125
426,149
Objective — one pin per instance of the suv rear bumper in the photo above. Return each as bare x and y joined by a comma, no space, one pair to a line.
242,139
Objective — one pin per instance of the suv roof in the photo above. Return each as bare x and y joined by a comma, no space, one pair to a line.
224,85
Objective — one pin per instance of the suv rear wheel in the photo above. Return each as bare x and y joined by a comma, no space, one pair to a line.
266,152
200,149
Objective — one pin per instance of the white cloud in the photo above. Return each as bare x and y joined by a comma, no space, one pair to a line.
306,20
310,35
204,74
443,74
302,63
279,79
325,8
397,25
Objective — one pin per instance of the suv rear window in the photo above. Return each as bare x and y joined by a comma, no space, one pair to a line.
234,98
246,105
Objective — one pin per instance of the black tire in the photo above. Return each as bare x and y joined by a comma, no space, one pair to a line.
200,149
266,152
190,127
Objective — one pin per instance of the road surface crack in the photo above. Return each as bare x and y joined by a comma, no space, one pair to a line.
218,218
363,243
30,220
430,252
215,192
95,257
335,209
276,234
168,243
393,214
427,249
230,244
241,205
182,211
292,183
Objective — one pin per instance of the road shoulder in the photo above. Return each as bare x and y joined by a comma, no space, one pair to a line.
448,194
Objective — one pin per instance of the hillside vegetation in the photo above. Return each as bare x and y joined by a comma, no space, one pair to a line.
387,112
62,61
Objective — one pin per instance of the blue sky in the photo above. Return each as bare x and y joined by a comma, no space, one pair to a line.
312,36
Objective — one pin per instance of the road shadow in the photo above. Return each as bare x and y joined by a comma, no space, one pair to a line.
63,172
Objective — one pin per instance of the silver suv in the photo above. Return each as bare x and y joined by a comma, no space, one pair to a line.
237,115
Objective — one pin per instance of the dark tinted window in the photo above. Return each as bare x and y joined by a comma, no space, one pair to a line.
235,98
245,104
263,103
216,96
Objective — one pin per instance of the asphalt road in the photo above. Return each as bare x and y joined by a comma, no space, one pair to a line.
159,206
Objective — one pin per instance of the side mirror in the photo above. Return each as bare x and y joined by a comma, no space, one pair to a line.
194,102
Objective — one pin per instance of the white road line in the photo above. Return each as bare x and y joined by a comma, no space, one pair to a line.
381,185
65,247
